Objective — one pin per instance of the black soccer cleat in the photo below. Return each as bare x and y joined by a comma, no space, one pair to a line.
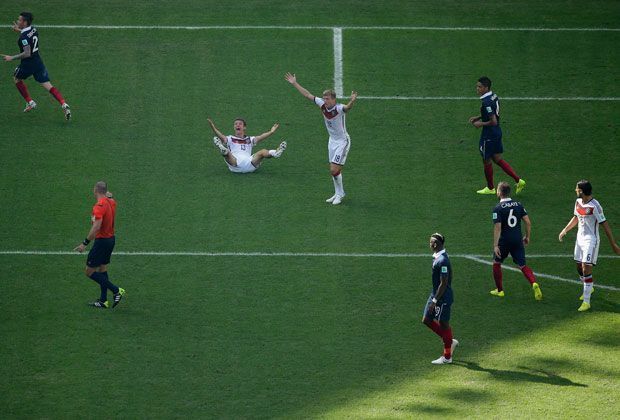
99,304
118,296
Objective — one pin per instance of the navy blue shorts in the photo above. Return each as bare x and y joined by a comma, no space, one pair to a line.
489,147
101,252
441,311
516,250
40,73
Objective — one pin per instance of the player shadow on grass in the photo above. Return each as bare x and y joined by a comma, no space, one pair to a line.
527,375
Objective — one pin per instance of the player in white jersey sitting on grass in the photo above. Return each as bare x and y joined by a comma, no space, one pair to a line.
588,214
339,140
237,149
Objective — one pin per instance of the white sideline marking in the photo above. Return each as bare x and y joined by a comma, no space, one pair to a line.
471,257
338,74
283,254
306,27
504,98
541,275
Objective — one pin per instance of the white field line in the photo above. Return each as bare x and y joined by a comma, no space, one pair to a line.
283,254
476,258
309,27
541,275
503,98
338,75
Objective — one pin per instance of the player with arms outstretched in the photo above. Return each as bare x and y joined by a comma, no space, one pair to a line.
237,149
339,140
32,64
507,239
588,215
491,147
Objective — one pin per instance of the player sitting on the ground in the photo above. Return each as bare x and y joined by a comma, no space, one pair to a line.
237,149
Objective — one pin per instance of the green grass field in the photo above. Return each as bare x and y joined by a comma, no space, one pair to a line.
302,336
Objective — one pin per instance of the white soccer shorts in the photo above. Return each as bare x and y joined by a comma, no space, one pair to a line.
586,251
338,150
244,164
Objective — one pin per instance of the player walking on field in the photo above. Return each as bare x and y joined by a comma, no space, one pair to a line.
102,232
32,64
491,147
588,214
339,140
237,149
507,239
437,311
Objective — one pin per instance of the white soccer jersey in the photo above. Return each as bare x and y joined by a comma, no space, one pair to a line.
590,215
334,120
240,146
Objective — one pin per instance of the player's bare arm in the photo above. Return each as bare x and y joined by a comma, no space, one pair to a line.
443,285
263,136
573,222
479,123
528,229
92,233
497,230
24,54
610,236
292,79
217,132
348,106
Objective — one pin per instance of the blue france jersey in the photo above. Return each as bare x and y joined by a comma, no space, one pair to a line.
30,36
442,267
509,213
490,107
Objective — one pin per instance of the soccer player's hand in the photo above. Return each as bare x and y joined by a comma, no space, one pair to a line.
472,119
7,58
477,123
80,248
526,240
291,78
497,252
561,235
275,127
353,95
15,27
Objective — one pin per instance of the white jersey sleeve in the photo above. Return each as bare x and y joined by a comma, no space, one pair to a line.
319,101
598,212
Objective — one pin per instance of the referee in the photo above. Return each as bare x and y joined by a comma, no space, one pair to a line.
102,231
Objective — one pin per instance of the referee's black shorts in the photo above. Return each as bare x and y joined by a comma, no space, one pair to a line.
101,252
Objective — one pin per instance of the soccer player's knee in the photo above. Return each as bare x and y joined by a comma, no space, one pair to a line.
334,171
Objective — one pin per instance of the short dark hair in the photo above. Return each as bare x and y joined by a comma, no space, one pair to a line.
439,237
242,120
27,17
504,189
101,187
585,186
485,81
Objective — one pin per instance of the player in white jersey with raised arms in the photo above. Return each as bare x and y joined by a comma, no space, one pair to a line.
588,215
237,149
339,140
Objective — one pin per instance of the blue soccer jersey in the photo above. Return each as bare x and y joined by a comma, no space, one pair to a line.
490,107
509,213
30,37
442,267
